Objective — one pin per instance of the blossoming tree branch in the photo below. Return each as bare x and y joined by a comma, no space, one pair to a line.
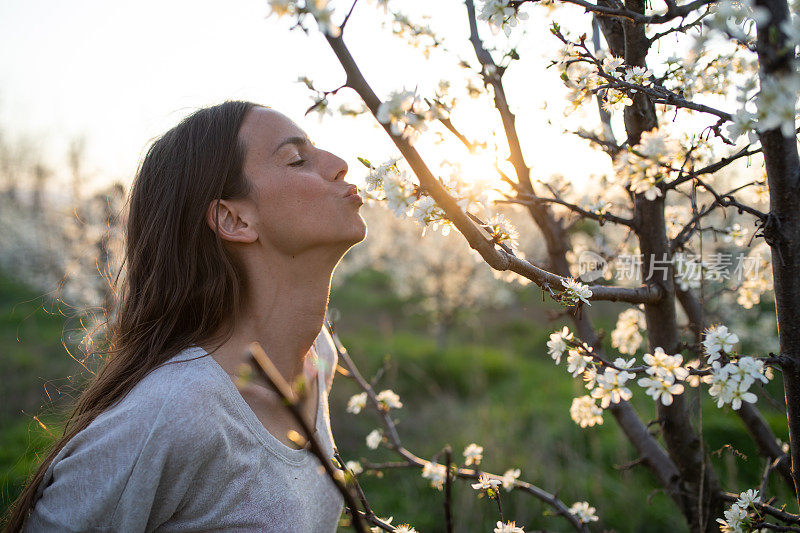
670,128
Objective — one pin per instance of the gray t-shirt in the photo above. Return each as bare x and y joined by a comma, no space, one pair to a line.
183,452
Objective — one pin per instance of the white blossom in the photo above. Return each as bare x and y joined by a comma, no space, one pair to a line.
435,473
747,498
473,454
612,63
576,291
776,103
503,231
510,475
638,75
486,483
557,345
626,337
665,367
736,234
729,385
499,14
742,123
734,519
376,176
718,340
585,412
389,400
611,387
405,114
583,512
322,13
661,388
616,100
356,403
374,439
354,466
576,362
508,527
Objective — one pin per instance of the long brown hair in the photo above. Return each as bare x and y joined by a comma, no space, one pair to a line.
181,285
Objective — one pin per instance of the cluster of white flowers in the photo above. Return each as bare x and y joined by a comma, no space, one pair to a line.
388,399
319,9
557,345
402,196
665,370
583,78
609,387
642,168
575,291
473,454
736,520
509,477
391,184
435,473
374,439
736,234
405,528
377,175
502,231
406,114
718,340
776,103
730,383
486,483
627,337
499,14
583,512
581,81
356,403
507,527
743,122
577,361
585,412
638,76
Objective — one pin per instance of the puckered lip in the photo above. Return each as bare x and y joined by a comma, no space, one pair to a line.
351,190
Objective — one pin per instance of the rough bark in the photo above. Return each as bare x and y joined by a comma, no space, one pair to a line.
701,503
782,228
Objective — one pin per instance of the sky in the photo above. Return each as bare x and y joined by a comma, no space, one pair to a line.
121,73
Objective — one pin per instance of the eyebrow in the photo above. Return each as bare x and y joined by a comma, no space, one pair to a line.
297,141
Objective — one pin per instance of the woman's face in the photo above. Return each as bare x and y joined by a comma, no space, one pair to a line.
300,199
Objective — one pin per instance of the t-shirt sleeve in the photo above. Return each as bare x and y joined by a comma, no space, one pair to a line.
130,468
326,350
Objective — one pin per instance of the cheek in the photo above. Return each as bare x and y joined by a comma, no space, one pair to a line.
296,211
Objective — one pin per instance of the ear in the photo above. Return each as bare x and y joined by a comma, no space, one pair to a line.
233,224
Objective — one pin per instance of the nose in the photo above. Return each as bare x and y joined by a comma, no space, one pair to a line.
337,167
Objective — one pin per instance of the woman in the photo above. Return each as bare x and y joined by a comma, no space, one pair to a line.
236,224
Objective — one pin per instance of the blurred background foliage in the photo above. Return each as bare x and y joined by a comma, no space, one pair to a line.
491,383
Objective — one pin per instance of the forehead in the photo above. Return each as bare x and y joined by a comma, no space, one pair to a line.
264,129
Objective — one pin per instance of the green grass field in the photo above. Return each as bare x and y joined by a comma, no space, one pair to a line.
493,384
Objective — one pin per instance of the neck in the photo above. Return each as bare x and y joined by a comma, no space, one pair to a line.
283,310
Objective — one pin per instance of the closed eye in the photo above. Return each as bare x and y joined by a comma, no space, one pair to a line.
297,163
